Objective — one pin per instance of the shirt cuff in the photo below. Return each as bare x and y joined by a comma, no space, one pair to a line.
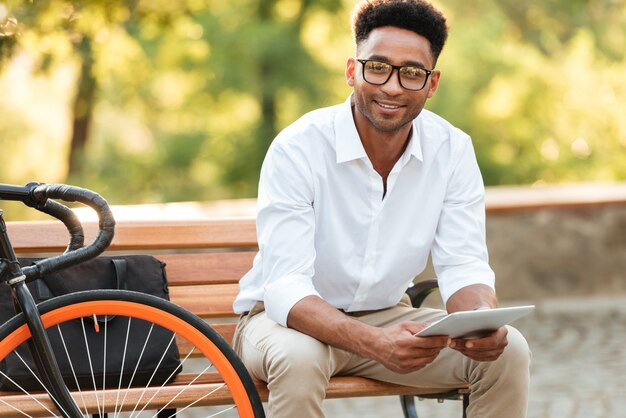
282,294
456,278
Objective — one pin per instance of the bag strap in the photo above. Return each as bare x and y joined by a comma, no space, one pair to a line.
121,273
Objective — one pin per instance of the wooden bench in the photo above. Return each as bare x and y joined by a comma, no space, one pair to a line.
205,259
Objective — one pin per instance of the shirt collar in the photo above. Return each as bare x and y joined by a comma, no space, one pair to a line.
348,143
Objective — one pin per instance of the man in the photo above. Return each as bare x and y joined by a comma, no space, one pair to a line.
352,199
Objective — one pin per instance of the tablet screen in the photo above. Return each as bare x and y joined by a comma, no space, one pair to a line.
472,324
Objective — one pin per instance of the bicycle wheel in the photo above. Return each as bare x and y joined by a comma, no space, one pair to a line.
213,381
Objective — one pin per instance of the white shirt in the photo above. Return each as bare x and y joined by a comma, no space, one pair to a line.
325,229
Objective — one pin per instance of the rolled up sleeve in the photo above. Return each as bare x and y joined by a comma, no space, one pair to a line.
286,230
459,251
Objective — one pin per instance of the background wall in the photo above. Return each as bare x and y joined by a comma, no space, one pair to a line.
557,241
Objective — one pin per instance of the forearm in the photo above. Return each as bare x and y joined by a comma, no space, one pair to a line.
315,317
395,346
472,297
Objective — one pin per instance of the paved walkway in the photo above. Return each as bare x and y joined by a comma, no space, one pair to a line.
578,368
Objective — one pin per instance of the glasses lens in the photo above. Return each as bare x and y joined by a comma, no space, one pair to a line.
376,72
413,78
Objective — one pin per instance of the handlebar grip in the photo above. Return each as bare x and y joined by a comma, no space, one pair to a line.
41,193
69,219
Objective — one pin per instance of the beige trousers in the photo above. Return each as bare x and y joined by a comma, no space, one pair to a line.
298,367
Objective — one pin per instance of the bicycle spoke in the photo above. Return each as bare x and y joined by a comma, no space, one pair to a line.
71,363
172,340
14,408
24,390
221,412
187,386
202,397
143,349
119,385
182,362
93,377
104,359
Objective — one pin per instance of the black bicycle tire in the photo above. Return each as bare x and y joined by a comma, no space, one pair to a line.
158,303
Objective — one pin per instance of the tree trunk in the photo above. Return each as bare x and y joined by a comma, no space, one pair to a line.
83,109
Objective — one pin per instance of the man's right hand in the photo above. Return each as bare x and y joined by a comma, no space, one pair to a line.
401,351
396,347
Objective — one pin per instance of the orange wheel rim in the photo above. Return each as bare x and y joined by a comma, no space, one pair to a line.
148,313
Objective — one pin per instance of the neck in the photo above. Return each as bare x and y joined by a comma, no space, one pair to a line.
383,149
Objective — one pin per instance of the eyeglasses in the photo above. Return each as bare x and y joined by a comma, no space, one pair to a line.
378,73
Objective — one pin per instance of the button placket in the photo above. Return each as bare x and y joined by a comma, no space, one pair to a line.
368,272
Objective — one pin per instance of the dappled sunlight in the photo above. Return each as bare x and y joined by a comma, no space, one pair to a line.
502,98
287,9
188,95
35,120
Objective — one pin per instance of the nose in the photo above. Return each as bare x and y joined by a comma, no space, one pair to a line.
392,87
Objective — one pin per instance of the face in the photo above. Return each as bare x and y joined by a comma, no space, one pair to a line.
389,107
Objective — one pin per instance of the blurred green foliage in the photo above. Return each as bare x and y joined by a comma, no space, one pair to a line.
181,99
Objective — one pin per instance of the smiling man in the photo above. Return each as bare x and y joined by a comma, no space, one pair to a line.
352,200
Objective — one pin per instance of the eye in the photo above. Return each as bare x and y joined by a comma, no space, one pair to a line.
377,66
413,72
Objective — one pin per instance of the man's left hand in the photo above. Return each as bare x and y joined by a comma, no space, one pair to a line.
487,348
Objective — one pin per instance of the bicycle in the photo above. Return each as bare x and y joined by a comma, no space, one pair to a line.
204,352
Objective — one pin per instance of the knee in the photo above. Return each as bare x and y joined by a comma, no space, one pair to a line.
512,368
517,349
515,360
296,355
301,355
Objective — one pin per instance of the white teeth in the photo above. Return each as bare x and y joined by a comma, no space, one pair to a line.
384,106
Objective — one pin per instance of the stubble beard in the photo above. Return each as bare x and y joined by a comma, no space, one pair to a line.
386,125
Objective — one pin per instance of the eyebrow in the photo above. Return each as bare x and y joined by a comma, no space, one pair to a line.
406,63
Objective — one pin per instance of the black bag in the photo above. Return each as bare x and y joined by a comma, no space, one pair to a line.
140,273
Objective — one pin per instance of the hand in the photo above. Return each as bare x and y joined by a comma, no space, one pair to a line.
487,348
399,350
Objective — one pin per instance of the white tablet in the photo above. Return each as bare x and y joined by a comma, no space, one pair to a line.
473,324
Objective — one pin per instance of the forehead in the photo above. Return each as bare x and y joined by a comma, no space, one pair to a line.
398,46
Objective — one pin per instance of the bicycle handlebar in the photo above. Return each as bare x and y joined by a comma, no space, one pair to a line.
38,196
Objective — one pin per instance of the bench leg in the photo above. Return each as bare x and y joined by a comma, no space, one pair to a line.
166,413
465,404
408,406
410,411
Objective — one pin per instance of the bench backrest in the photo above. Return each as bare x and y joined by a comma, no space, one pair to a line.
205,258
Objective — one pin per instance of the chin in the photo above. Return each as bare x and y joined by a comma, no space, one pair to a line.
390,126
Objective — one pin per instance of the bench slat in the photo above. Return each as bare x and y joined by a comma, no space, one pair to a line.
29,237
209,268
339,387
206,301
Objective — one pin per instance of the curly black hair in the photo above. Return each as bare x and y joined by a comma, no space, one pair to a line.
418,16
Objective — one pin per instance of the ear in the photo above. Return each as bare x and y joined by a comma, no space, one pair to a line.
350,69
434,83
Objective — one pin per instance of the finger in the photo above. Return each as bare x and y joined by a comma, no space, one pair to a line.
481,355
419,353
496,339
439,341
474,345
416,363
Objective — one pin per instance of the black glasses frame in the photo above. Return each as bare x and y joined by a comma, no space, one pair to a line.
397,68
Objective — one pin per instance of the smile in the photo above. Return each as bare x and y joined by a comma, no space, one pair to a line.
388,106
